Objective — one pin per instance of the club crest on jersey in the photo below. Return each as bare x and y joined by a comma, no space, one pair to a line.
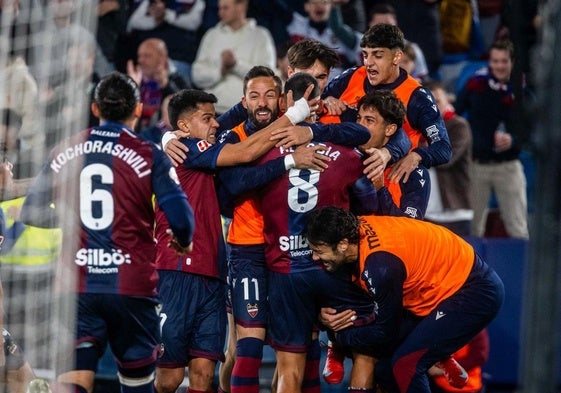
203,145
252,310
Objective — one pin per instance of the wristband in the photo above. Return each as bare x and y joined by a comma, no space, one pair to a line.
299,112
168,136
289,162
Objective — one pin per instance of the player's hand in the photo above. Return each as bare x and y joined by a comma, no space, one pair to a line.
334,106
375,163
313,103
6,177
307,157
175,149
337,321
178,248
402,169
435,371
134,72
291,136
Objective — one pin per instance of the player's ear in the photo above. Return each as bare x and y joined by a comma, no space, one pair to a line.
343,245
95,109
138,110
282,103
183,124
390,129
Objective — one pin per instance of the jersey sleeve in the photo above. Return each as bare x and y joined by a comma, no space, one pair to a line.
171,198
363,197
415,193
201,154
398,145
424,116
385,275
344,134
244,178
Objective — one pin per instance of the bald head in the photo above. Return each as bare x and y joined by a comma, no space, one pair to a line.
152,55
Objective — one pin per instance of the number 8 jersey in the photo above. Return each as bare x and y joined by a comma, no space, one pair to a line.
285,204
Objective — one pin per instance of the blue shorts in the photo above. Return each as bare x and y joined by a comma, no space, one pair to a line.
193,318
295,300
248,285
130,324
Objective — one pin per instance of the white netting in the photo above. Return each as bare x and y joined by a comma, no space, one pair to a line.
47,52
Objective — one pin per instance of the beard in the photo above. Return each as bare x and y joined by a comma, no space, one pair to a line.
262,123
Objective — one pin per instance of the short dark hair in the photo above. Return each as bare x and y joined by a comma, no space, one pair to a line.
383,35
329,225
116,95
299,82
504,44
185,101
261,71
303,54
383,9
387,104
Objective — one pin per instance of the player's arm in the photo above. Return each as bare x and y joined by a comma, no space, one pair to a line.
386,274
38,208
363,197
425,117
344,134
238,180
259,143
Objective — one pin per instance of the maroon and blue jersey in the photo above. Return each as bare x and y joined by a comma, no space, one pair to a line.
102,181
287,201
196,177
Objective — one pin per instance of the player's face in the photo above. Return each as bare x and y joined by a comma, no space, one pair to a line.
381,65
261,100
331,259
202,123
318,70
500,64
371,119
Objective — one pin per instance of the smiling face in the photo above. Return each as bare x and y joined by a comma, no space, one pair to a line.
201,123
261,100
500,64
331,259
381,64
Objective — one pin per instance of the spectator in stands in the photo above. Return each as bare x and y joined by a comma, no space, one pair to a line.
419,20
385,13
156,77
488,101
453,182
174,22
230,49
315,26
111,25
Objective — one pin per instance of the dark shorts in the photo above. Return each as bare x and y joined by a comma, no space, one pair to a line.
295,300
130,324
248,285
193,318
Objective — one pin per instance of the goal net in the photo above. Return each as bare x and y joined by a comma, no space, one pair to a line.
47,59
